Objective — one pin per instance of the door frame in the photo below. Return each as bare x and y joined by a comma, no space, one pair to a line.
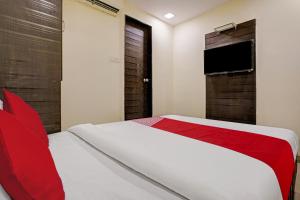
148,28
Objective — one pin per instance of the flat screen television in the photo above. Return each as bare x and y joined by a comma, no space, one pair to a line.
237,57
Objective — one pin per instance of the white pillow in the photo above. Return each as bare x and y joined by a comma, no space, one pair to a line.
1,104
3,194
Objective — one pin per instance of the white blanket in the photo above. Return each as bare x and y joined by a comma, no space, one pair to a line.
194,169
87,177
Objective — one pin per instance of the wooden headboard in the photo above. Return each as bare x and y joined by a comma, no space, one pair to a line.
31,55
232,97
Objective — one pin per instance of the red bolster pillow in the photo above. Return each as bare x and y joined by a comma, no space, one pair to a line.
25,114
27,169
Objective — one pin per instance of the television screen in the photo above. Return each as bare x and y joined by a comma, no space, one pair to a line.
236,57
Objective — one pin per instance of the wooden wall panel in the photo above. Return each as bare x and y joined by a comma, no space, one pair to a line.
231,97
31,55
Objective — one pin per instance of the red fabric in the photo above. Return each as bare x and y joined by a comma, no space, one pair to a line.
25,114
274,152
27,169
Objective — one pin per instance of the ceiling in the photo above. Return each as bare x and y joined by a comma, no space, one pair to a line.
183,9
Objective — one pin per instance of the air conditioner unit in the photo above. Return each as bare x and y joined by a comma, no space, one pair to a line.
105,7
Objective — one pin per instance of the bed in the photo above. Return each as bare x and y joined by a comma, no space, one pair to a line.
132,160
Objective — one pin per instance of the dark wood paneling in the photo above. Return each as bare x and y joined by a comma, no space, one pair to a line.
31,55
231,97
138,94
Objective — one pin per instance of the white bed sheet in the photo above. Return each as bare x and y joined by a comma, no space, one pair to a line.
195,169
88,174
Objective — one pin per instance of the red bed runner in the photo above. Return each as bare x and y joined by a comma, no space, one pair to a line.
276,153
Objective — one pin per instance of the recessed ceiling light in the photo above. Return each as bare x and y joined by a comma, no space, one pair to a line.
169,15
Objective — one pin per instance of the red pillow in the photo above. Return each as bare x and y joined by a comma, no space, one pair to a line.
27,169
25,114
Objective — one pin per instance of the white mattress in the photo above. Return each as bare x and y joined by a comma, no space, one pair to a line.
194,169
88,174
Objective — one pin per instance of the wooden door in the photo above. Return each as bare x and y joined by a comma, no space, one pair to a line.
138,70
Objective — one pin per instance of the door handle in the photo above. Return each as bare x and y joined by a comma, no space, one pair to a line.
146,80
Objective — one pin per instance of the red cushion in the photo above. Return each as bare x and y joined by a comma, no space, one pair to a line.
27,169
25,114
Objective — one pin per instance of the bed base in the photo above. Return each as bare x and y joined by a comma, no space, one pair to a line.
292,190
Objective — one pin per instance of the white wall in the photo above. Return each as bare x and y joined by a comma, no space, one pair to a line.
278,60
93,63
93,82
